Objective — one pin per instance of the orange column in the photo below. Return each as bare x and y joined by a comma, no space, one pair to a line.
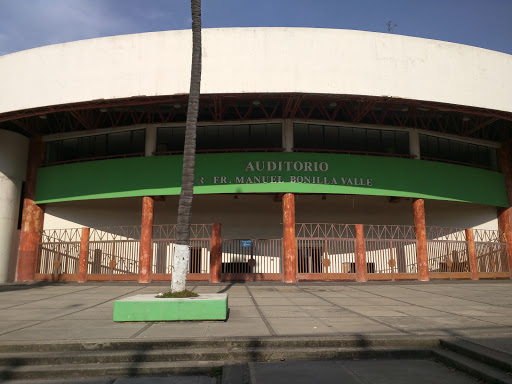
504,214
504,165
361,269
216,254
420,229
289,241
508,236
470,238
503,221
84,252
32,216
146,240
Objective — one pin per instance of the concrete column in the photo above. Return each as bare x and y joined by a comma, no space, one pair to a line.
216,254
503,221
470,238
84,253
146,240
504,160
361,269
32,217
508,236
13,168
289,241
288,135
414,144
151,134
420,230
505,214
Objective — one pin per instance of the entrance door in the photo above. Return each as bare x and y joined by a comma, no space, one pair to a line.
310,259
251,259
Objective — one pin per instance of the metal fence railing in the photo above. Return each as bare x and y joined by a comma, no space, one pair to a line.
252,256
113,257
163,253
391,256
322,249
325,255
58,258
491,257
447,256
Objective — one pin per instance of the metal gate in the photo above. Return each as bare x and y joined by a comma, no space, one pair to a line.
325,251
252,259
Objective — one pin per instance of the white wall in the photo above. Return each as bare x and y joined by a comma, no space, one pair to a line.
258,216
247,60
93,213
13,167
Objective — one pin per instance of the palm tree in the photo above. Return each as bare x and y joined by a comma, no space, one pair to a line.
182,251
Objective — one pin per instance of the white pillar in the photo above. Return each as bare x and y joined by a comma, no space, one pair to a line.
288,135
151,133
13,168
414,144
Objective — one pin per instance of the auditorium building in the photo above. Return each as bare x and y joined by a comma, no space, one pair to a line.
321,155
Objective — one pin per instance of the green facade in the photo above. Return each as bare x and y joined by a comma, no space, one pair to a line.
272,173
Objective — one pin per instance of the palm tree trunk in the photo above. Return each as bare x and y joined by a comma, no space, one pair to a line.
182,251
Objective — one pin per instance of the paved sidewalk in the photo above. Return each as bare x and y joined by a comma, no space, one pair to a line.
72,311
478,311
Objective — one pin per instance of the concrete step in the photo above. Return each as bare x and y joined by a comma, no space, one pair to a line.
113,370
153,358
475,368
240,342
207,354
85,364
486,355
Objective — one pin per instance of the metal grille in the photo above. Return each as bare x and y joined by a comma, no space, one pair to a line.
163,252
487,235
446,233
61,235
491,257
58,251
115,233
399,232
113,257
391,256
325,230
326,256
447,256
58,257
168,231
252,256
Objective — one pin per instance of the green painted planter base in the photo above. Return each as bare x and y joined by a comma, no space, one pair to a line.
149,308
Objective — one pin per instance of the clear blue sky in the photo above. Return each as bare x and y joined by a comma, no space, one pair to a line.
27,24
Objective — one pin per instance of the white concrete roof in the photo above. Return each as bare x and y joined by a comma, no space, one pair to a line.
257,60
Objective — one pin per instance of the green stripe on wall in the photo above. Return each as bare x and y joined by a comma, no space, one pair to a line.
381,176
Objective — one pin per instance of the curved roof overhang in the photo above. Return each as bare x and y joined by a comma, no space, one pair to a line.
346,109
299,73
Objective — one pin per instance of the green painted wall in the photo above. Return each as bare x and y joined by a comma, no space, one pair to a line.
235,173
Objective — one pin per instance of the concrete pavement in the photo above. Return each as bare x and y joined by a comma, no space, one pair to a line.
483,309
477,311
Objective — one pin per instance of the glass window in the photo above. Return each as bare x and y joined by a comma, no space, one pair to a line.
274,136
69,150
119,143
313,136
84,147
99,145
52,151
138,141
402,142
241,136
439,148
